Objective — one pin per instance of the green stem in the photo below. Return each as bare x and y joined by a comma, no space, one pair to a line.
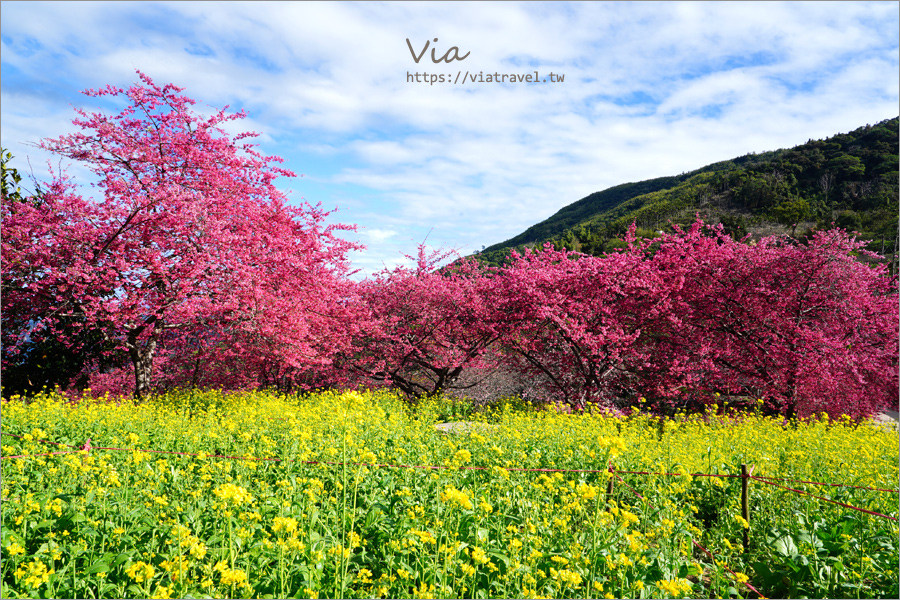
593,555
281,572
230,551
342,570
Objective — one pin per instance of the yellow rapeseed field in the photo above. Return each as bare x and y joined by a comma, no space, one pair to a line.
209,494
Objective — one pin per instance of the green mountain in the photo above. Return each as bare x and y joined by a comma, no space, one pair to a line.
849,179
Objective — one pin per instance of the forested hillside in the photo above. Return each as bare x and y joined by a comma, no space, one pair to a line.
850,180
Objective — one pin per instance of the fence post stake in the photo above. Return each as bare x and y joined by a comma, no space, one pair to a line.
745,503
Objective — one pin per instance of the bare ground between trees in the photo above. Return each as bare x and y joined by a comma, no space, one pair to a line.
889,419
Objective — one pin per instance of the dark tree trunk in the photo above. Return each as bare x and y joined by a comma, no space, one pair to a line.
142,354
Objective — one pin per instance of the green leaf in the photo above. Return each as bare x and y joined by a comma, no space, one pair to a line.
500,558
98,567
785,546
120,559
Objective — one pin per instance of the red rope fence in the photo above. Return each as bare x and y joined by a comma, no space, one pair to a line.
865,510
713,558
858,487
616,472
763,479
696,544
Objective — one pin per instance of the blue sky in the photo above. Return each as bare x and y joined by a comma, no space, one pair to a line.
650,89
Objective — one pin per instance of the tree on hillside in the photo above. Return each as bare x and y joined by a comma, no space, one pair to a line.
189,233
791,212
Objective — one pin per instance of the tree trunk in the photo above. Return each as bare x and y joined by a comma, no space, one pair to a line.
142,358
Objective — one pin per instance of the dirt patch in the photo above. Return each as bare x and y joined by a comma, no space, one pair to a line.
887,418
464,427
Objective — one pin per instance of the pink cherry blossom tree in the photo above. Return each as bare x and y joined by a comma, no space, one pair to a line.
805,326
425,325
572,321
189,234
696,317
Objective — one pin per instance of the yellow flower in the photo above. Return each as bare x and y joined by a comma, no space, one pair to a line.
286,524
424,536
479,556
140,571
587,492
424,591
497,470
570,577
232,576
36,574
15,549
296,545
233,493
353,539
455,496
367,457
198,549
55,506
174,568
674,587
462,456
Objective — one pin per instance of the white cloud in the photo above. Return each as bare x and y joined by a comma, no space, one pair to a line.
325,84
379,235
